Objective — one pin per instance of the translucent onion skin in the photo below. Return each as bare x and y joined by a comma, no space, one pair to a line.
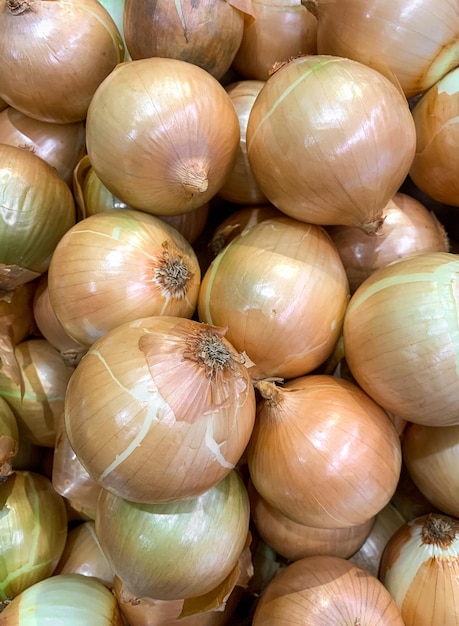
399,338
33,531
281,291
311,439
415,41
350,127
319,590
175,126
118,266
167,410
71,46
420,569
194,544
64,600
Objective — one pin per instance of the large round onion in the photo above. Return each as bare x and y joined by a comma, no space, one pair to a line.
330,141
118,266
281,290
70,47
167,409
311,439
175,126
400,338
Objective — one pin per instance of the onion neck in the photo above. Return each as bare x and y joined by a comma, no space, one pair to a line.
439,530
193,176
269,391
17,7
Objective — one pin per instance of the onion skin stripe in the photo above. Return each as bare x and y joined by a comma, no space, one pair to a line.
286,93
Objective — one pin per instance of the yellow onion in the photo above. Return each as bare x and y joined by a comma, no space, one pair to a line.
207,33
320,590
280,29
116,10
194,544
37,209
70,47
295,541
281,291
430,454
414,41
60,145
311,439
33,531
399,337
44,376
175,126
9,439
435,164
241,186
167,410
408,228
118,266
64,600
420,569
330,141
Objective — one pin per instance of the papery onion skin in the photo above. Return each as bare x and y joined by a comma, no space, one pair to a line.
168,409
118,266
9,439
176,127
281,291
194,543
350,127
33,531
320,590
399,338
70,47
64,599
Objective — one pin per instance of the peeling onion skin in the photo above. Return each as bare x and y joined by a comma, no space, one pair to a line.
420,568
399,338
325,590
9,439
167,412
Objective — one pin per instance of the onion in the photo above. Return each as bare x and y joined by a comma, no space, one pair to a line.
430,454
321,590
37,209
295,541
408,499
207,33
45,377
167,411
241,186
116,10
175,126
281,29
60,145
399,338
126,257
70,47
311,439
64,600
420,569
281,290
435,164
9,439
194,544
348,124
33,527
416,41
408,228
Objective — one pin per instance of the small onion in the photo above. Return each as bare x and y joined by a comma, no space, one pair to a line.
350,127
320,590
33,531
118,266
167,411
420,569
70,47
399,337
281,291
175,126
194,544
9,439
311,439
64,600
